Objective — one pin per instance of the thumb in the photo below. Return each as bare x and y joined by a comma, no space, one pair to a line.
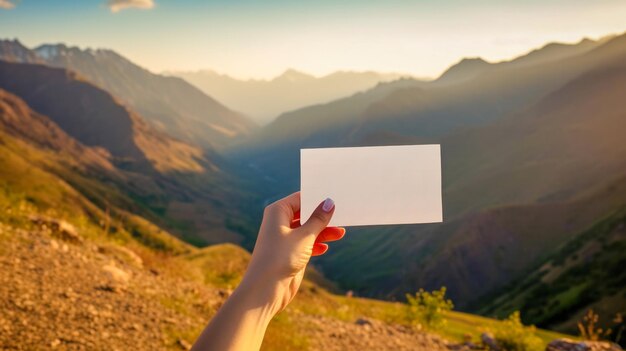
320,217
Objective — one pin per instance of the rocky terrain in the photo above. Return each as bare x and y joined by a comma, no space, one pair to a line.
56,294
368,334
60,291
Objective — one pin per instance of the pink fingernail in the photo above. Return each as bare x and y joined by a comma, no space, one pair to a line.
328,204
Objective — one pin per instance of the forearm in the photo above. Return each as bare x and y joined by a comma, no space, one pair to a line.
241,322
280,257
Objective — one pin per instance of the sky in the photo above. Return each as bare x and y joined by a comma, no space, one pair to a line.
262,38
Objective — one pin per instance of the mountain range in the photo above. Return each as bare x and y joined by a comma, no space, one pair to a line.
522,137
532,149
90,260
264,100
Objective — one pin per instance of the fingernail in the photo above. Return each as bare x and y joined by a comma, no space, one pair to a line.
328,204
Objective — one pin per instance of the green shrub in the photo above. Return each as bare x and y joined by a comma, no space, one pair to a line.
512,335
428,308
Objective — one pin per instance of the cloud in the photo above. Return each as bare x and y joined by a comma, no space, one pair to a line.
7,4
119,5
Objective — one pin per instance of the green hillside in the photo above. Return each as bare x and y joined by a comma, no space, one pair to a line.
586,272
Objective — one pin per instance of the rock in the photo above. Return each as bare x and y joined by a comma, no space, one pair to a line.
363,321
490,341
116,274
123,254
59,228
110,288
573,345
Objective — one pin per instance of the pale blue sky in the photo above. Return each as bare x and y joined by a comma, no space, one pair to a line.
263,38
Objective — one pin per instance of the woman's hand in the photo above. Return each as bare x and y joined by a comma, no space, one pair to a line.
280,256
284,247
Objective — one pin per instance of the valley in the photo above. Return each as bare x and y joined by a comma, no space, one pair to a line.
162,187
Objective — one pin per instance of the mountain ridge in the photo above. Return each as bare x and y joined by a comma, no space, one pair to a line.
292,89
168,103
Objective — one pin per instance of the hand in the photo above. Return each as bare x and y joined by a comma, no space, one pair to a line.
284,247
280,256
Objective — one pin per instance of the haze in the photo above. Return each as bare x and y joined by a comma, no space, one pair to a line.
261,39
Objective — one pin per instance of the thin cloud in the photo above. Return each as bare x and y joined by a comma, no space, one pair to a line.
119,5
7,4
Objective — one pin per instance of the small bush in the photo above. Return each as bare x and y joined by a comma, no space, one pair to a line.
588,329
512,335
428,308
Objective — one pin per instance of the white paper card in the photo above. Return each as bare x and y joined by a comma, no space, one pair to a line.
373,185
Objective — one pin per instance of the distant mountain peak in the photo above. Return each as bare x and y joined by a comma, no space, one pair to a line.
52,51
465,69
14,50
473,60
293,75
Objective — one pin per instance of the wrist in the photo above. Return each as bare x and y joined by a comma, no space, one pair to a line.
263,290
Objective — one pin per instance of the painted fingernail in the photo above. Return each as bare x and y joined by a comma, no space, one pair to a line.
328,204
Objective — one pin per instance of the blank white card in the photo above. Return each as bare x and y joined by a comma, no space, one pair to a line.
373,185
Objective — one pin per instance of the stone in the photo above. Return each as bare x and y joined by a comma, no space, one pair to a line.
59,228
363,322
116,274
490,341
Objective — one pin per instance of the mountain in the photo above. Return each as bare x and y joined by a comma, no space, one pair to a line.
425,110
14,51
19,121
95,118
83,267
469,68
189,190
466,69
556,51
313,126
552,153
170,104
264,100
487,251
500,91
584,273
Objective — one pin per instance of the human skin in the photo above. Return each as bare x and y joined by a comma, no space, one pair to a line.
279,259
